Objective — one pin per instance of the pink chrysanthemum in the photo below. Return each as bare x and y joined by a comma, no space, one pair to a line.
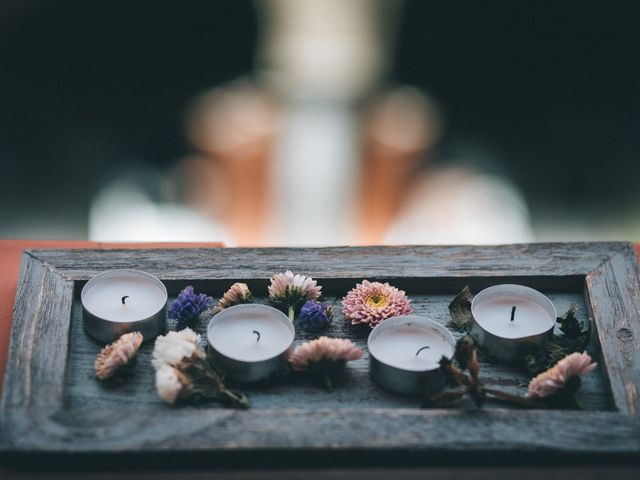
324,356
373,302
547,383
289,291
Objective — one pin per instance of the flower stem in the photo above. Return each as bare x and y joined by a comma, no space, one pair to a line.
236,400
327,382
291,313
577,403
522,401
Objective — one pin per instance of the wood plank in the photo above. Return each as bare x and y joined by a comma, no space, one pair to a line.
554,259
294,419
34,380
614,289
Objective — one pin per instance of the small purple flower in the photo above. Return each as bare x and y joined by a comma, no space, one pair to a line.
315,316
188,305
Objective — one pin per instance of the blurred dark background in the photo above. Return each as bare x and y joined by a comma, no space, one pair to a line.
546,92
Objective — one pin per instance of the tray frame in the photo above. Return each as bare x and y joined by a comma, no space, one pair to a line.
33,418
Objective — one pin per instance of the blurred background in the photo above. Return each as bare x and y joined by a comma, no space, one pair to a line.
318,122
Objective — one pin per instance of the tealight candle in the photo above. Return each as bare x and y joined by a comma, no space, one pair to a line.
120,301
405,351
509,320
250,342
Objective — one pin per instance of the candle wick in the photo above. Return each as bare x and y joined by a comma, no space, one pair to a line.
420,349
258,334
513,313
124,298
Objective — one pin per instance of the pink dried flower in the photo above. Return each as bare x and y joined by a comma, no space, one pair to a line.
289,291
324,349
572,366
373,302
324,356
238,293
117,355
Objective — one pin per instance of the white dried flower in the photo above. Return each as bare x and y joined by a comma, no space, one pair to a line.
175,348
170,383
117,355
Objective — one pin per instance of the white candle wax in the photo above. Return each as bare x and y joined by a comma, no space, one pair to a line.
493,309
234,334
402,346
529,318
405,354
103,296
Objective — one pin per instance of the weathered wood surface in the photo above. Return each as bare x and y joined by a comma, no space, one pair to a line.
51,403
353,389
524,260
614,287
619,472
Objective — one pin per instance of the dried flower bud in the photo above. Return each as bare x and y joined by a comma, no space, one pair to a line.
237,294
465,347
117,355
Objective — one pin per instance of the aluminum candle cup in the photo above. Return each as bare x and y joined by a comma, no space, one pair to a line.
120,301
509,320
250,342
405,353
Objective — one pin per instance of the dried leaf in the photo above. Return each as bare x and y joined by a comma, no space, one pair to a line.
460,310
574,339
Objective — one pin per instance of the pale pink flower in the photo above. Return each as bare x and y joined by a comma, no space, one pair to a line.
237,293
118,354
373,302
324,350
554,379
289,291
286,284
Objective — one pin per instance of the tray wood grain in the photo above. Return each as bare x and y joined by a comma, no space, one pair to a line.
52,405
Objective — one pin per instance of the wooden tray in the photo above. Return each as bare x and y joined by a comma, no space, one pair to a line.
53,408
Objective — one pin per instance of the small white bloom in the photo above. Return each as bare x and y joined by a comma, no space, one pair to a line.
168,383
174,347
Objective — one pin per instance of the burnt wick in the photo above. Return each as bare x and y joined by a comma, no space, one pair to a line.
420,349
124,298
513,313
258,334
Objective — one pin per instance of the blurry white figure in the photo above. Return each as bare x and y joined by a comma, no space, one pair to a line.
293,159
124,212
323,56
404,199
